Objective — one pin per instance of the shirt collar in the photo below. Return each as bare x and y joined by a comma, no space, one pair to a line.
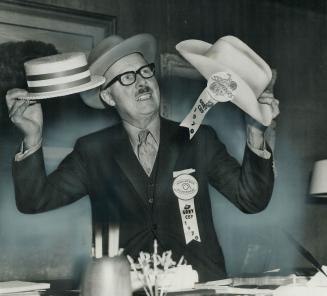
133,131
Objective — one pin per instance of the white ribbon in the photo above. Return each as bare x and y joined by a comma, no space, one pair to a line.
220,88
185,188
190,223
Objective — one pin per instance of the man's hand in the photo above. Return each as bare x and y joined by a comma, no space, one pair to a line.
26,115
267,98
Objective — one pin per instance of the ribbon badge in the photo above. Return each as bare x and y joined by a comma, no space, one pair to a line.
185,188
220,88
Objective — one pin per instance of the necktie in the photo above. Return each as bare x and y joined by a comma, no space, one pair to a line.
146,151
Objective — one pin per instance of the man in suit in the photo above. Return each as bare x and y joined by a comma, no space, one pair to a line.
130,170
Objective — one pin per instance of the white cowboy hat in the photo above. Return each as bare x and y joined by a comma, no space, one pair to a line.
109,51
250,74
59,75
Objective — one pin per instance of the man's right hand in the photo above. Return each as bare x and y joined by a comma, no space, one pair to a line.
26,115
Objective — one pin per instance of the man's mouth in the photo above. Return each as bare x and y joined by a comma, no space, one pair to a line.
143,97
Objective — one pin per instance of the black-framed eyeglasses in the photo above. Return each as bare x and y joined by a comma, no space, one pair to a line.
129,77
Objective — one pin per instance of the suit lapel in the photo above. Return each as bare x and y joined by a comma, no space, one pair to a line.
129,164
171,140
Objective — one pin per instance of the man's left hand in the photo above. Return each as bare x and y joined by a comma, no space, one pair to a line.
267,97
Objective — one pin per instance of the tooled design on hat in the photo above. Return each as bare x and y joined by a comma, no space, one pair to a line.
221,86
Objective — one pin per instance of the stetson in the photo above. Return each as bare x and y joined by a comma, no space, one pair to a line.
248,71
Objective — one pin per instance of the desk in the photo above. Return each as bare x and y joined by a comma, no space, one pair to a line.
290,292
68,288
141,293
195,293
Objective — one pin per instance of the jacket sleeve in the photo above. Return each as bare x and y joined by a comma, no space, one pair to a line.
36,192
248,186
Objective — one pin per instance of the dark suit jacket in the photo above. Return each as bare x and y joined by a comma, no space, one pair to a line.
104,166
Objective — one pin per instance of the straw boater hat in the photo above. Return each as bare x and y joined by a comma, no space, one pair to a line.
59,75
250,73
109,51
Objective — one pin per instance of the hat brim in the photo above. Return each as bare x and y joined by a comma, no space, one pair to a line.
95,82
246,100
141,43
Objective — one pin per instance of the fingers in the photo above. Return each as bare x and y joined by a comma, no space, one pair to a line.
17,111
268,98
13,94
274,106
15,106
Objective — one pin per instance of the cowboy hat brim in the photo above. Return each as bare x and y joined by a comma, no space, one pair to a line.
245,99
94,83
141,43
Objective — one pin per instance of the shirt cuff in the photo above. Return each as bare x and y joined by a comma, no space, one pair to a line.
21,155
256,142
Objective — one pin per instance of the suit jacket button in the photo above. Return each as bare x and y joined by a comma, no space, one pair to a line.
150,200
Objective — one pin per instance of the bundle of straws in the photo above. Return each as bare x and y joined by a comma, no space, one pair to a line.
150,266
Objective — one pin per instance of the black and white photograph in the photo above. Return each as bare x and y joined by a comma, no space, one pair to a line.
161,147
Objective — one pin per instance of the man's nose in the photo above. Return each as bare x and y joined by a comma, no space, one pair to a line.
139,80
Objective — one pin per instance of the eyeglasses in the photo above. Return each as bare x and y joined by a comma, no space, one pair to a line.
129,77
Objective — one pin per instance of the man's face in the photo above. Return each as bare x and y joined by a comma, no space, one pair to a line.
136,101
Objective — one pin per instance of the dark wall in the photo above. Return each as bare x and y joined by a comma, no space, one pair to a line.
289,35
292,40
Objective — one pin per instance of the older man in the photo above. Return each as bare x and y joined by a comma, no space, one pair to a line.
128,170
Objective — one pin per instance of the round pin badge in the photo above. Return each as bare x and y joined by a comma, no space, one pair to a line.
221,87
185,187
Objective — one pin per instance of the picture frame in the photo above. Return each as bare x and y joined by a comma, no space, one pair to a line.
68,29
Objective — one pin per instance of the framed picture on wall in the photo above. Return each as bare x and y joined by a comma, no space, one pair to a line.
29,29
67,29
62,29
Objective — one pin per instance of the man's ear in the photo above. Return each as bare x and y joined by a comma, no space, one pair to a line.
106,96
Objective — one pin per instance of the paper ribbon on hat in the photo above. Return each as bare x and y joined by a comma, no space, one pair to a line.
220,88
234,72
